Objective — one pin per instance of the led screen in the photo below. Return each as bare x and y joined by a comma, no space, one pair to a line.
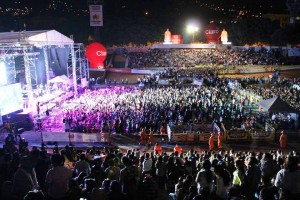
10,98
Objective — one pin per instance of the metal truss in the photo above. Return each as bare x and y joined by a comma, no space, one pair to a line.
30,58
77,68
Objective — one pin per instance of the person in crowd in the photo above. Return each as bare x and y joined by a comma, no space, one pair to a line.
129,178
57,179
288,179
193,191
267,165
220,182
184,190
160,172
178,149
158,149
239,173
252,177
74,191
147,165
148,188
82,165
112,172
115,192
24,179
205,177
266,190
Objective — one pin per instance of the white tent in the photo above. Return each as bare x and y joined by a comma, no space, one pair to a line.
60,79
36,38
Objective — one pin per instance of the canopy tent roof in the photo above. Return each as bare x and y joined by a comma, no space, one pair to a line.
60,79
36,38
276,104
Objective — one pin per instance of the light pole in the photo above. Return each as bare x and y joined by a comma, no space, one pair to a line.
192,29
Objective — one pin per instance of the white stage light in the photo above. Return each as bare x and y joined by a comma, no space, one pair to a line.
3,78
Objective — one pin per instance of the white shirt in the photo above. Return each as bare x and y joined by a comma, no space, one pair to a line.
147,165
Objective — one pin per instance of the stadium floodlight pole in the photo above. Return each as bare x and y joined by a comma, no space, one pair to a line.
192,29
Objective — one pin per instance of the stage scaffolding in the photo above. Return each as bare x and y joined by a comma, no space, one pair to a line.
77,66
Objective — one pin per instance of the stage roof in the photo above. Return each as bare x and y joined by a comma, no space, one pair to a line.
36,38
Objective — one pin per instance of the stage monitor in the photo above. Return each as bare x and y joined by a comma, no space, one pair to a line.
10,98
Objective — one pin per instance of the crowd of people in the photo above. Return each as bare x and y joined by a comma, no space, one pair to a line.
283,89
127,109
213,57
113,174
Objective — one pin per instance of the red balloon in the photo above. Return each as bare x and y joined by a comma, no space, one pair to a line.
96,55
212,33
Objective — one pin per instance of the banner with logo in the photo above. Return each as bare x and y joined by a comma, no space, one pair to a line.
262,135
204,137
237,134
96,15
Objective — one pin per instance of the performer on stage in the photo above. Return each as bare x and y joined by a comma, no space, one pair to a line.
67,121
38,108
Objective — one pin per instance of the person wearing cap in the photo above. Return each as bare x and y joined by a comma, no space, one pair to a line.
220,140
211,142
282,140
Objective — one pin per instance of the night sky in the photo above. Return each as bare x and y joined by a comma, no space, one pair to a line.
124,18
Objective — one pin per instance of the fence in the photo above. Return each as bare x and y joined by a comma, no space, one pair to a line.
193,133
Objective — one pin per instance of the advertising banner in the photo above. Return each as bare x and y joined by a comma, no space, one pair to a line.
212,34
204,137
96,54
237,134
96,15
262,135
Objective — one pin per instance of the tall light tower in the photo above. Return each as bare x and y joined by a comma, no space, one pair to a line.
293,7
96,17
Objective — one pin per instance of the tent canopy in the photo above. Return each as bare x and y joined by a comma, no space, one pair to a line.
60,79
276,104
36,38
